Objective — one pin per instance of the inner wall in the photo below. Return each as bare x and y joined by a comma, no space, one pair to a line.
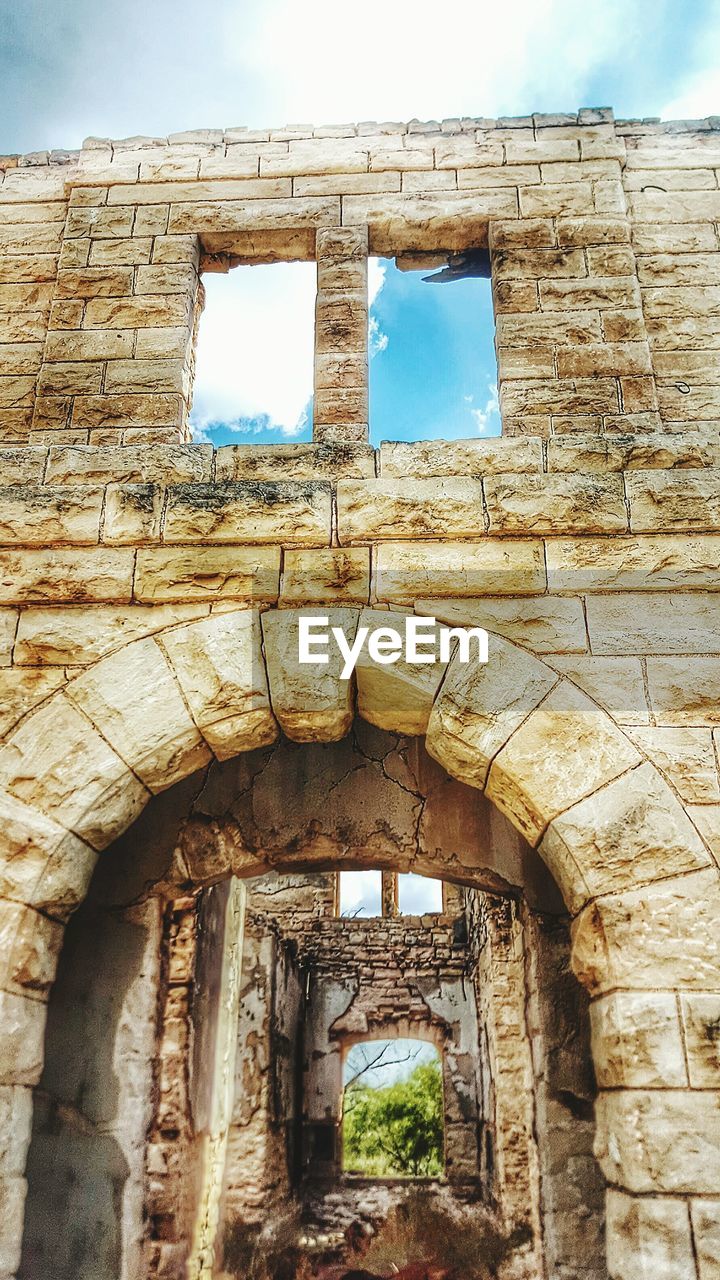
158,1110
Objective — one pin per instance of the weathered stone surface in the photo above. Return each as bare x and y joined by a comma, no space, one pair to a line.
675,562
59,637
15,1126
398,509
459,457
251,512
667,501
701,1028
658,936
543,624
62,576
29,946
686,757
21,1050
327,575
565,749
33,515
634,832
705,1216
207,573
664,1141
617,684
398,696
56,762
649,1237
141,464
479,707
637,1042
294,462
219,666
405,571
685,691
654,623
555,504
42,864
133,700
311,702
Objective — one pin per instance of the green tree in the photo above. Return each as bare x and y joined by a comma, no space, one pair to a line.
396,1129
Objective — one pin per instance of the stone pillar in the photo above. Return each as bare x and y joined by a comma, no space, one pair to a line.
340,410
389,893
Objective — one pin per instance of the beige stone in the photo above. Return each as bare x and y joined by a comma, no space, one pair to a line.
251,574
649,1237
667,501
57,637
35,574
632,832
563,751
479,707
555,504
141,464
655,937
15,1125
311,701
686,757
31,515
41,864
543,624
633,563
219,666
665,1141
29,946
252,512
617,684
132,514
328,575
404,571
133,699
637,1042
21,689
21,1052
401,459
397,509
654,622
397,696
705,1216
294,462
56,762
701,1027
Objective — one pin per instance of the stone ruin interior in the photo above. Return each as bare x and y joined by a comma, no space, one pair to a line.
196,1035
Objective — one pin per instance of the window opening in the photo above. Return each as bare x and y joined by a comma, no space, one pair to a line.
433,370
419,895
254,358
360,893
393,1110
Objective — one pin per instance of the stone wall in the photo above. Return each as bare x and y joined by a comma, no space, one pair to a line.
147,586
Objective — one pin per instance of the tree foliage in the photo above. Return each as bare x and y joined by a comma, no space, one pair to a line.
396,1129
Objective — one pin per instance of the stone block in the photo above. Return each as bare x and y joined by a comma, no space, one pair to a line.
423,458
705,1216
29,949
686,757
480,706
555,503
311,702
637,1042
21,689
294,462
15,1126
662,1141
648,1237
252,512
658,936
566,749
33,515
141,464
370,510
21,1049
616,684
648,563
701,1027
64,575
654,622
58,637
633,832
405,572
397,696
328,575
543,624
667,501
219,666
132,515
685,690
133,699
251,574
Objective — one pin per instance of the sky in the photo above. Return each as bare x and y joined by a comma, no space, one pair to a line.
72,68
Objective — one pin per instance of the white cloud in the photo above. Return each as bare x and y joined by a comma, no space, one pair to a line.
487,419
700,97
255,348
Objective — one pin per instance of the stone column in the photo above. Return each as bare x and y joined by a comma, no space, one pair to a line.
340,411
389,893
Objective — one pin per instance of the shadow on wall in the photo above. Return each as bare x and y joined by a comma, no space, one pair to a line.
92,1099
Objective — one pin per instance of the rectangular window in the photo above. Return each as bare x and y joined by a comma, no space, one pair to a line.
433,370
360,893
419,895
254,358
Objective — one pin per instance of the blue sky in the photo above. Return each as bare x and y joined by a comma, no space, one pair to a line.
69,68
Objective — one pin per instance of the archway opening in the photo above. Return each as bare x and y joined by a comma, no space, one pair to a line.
393,1110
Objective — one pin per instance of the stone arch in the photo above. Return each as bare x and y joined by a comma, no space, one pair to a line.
637,879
